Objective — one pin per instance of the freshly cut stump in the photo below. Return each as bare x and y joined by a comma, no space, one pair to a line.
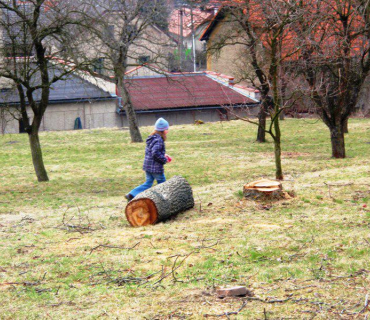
160,202
263,189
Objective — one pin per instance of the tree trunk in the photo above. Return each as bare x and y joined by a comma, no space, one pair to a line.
160,202
345,126
282,115
38,162
337,142
277,149
261,133
130,113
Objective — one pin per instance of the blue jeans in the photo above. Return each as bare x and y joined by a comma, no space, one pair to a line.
150,177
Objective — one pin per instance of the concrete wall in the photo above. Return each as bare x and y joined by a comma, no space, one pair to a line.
103,115
62,117
189,117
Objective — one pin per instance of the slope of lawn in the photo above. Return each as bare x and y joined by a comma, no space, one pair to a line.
301,258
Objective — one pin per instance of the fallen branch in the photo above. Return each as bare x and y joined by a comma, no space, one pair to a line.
173,269
366,304
269,301
113,247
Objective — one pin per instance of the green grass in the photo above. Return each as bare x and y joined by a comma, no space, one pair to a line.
311,252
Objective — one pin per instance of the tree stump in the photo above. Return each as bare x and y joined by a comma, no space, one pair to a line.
264,189
160,202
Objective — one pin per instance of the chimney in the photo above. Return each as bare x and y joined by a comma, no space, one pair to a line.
231,82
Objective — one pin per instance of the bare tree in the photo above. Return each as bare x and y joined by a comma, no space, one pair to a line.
29,30
126,33
335,60
261,29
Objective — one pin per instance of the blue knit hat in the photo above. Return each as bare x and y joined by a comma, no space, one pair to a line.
161,125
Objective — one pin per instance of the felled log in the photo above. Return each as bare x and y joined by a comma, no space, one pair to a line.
263,189
160,202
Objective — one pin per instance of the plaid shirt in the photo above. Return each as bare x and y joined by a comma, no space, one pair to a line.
154,154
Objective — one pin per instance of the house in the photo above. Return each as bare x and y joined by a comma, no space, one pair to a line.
228,59
92,102
186,97
70,99
182,22
232,59
147,43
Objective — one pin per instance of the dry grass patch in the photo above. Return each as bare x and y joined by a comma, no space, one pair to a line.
302,258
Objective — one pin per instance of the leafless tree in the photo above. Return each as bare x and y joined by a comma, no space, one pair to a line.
335,60
29,31
261,29
126,33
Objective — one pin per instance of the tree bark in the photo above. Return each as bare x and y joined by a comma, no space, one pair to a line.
277,150
128,107
160,202
37,159
345,126
337,142
261,133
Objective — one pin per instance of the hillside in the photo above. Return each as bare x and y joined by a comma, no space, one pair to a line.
68,251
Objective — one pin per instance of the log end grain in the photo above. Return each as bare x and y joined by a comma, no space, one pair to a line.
141,212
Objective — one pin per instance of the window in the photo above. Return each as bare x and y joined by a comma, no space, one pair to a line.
144,59
98,65
131,32
21,126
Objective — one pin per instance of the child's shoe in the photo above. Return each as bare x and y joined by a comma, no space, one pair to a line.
129,197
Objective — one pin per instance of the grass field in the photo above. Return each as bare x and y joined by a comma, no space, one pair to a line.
303,258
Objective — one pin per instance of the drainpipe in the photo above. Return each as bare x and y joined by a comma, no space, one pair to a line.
193,36
181,42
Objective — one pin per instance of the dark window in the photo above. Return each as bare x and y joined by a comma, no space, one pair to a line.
131,32
144,59
21,127
98,65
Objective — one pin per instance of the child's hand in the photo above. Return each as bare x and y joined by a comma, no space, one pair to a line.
169,159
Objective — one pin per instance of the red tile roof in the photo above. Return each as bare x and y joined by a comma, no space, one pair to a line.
199,17
181,91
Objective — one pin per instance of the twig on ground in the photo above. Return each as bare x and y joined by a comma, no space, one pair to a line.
227,314
113,247
270,301
200,204
173,269
366,304
337,185
207,247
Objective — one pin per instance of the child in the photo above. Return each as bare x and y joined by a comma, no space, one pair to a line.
155,158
